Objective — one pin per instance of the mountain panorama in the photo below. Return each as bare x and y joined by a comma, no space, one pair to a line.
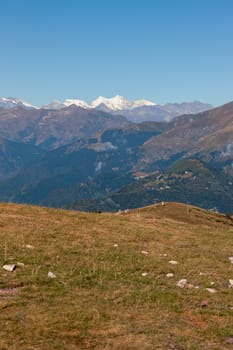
137,110
107,158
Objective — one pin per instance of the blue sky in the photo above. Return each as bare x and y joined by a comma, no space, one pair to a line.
162,50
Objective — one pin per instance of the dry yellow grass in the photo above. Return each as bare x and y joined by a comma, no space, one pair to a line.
100,300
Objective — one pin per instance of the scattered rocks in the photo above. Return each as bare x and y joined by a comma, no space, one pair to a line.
144,252
181,283
211,290
173,262
51,275
9,267
144,274
170,274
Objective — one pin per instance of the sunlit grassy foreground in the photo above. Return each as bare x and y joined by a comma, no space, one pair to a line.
111,289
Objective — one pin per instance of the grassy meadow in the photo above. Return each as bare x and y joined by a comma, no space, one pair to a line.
111,289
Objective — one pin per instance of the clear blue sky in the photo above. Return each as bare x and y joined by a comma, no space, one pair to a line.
162,50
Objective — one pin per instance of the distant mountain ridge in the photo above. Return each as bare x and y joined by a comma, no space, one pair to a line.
136,111
11,102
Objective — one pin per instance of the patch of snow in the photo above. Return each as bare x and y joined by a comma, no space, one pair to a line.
118,103
11,102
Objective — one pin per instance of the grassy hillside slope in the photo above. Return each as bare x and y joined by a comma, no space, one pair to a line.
111,290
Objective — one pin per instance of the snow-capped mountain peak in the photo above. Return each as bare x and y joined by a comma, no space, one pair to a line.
11,102
118,103
77,102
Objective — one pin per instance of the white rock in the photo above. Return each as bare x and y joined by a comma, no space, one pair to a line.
144,252
181,283
230,283
173,262
144,274
203,274
51,275
20,264
212,283
170,274
231,259
9,267
115,245
29,246
211,290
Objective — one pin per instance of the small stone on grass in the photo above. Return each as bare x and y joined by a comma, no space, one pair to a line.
204,303
230,283
211,290
144,252
229,341
181,283
9,267
51,275
29,246
170,274
173,262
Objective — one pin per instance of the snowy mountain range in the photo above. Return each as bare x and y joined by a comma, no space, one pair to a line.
135,111
116,103
11,102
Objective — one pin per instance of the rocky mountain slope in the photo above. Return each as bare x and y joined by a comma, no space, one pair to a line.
207,135
111,161
55,178
50,129
15,156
